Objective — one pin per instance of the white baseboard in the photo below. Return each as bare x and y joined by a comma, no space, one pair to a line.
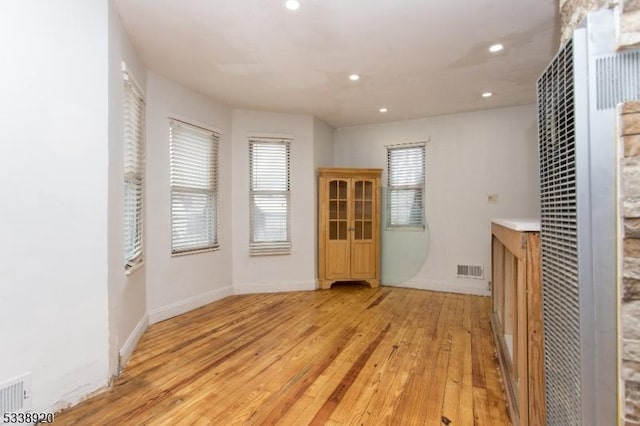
130,344
476,288
77,396
274,287
188,304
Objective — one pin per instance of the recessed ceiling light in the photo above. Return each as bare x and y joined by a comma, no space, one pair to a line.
496,48
292,4
487,94
383,110
354,77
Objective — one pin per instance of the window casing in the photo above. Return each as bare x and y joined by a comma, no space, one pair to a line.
193,154
269,196
406,184
133,172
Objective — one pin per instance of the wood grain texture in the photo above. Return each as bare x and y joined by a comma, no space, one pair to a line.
353,355
519,276
354,255
512,240
537,409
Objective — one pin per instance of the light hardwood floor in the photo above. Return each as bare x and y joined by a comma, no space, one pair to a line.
349,355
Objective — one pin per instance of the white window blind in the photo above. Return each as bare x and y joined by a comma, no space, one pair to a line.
194,187
269,196
406,176
133,171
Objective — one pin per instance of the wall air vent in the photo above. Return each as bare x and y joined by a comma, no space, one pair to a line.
470,271
618,78
15,395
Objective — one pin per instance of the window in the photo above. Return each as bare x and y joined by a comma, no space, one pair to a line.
194,187
405,200
133,171
269,196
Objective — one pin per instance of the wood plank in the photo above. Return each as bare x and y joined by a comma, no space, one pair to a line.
508,283
499,284
520,351
512,240
537,412
352,355
374,397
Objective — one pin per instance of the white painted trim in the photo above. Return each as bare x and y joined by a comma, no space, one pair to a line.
132,341
128,75
269,136
409,144
274,287
79,395
205,250
475,287
196,123
188,304
135,266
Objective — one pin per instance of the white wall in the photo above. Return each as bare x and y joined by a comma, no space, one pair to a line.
127,293
323,135
62,284
295,271
469,156
176,284
54,187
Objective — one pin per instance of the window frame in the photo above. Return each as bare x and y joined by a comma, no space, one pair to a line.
270,247
132,93
420,186
215,135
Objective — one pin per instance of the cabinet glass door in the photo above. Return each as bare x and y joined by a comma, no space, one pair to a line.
363,212
363,247
338,213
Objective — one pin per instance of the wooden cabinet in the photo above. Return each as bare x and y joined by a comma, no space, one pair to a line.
516,319
349,226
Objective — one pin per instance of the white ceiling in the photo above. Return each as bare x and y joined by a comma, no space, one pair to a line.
418,58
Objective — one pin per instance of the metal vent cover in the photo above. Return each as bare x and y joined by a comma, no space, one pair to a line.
558,191
15,395
470,271
618,78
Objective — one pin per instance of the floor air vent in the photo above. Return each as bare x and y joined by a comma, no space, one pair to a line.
15,395
470,271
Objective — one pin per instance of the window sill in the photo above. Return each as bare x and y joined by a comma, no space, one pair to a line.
268,253
405,229
136,265
204,250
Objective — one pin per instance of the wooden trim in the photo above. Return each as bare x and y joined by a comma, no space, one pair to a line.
510,239
505,366
521,353
376,226
516,283
322,231
348,172
537,409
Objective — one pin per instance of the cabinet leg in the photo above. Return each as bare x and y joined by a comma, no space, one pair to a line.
373,283
324,284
